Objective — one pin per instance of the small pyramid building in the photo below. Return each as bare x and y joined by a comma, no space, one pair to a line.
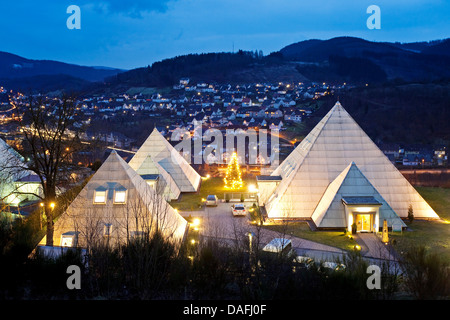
152,171
352,191
158,156
116,204
336,171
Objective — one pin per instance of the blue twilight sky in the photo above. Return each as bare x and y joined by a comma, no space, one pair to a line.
135,33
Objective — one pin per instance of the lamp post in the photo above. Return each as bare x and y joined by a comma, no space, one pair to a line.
41,213
196,224
50,221
250,240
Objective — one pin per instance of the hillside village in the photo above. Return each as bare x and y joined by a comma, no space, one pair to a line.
188,106
281,107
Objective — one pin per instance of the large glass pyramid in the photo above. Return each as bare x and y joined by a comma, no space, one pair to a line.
322,156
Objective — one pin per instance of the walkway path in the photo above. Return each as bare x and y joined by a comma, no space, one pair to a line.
372,247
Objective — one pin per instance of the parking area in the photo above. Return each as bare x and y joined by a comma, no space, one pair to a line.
219,223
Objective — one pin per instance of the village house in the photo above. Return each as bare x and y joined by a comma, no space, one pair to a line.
295,116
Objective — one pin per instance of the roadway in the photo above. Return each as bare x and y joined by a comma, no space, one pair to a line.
219,223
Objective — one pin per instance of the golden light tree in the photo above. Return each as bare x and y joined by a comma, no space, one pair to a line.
233,179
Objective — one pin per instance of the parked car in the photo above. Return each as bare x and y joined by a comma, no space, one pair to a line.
238,209
212,200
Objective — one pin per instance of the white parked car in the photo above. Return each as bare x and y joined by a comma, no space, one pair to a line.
238,209
212,200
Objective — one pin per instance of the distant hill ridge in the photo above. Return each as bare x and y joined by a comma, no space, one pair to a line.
355,59
20,72
340,59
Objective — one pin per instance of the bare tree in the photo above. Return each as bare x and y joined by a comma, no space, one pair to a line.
46,127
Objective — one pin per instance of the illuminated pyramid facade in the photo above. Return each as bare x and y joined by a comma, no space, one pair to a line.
158,156
335,161
17,182
116,204
159,179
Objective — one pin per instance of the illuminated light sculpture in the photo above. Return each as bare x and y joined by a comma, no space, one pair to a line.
385,235
233,179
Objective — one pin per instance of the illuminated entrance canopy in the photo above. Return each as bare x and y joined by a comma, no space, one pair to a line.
364,212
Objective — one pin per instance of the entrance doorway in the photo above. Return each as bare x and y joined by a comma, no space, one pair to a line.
364,222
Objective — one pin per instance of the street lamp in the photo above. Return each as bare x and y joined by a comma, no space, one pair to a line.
252,188
196,224
41,212
250,238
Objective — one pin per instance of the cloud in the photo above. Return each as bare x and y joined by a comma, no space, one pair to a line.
134,9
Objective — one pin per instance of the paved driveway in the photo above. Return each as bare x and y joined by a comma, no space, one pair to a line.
219,223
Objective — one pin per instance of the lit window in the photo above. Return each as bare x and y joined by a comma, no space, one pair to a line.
151,183
100,197
68,239
120,196
107,229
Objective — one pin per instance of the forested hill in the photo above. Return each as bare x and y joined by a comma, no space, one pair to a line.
405,113
20,73
357,60
342,59
239,67
338,60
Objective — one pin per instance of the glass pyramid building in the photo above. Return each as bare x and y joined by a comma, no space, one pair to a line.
337,160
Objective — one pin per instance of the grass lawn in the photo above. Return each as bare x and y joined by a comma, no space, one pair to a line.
435,236
301,229
214,185
432,234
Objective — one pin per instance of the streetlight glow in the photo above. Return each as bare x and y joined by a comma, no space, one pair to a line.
196,222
